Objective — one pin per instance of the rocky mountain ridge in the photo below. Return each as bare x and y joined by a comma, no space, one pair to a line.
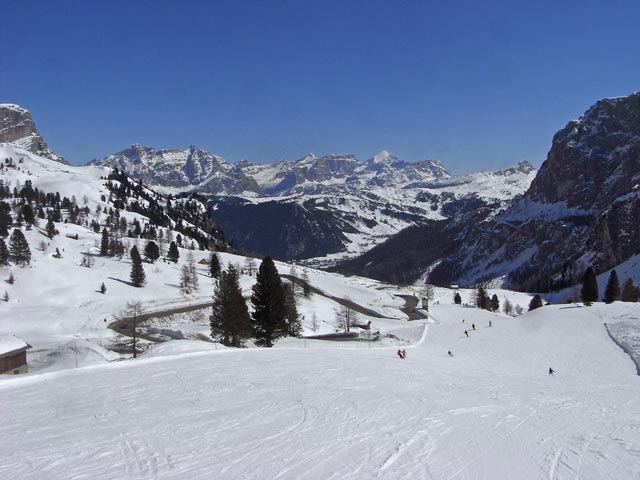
583,208
18,129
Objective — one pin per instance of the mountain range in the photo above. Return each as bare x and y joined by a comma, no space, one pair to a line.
320,210
401,221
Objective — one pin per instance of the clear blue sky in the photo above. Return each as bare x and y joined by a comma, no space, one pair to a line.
478,85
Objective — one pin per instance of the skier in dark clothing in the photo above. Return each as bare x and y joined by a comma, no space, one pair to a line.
404,354
551,371
466,333
489,322
473,325
399,353
449,353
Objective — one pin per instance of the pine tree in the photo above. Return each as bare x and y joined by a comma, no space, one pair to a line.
630,293
482,299
457,299
268,317
173,254
214,265
536,302
27,213
4,253
5,218
137,275
495,303
230,322
104,243
19,251
50,228
151,251
612,290
292,317
589,290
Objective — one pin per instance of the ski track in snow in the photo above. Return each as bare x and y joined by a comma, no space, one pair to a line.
491,412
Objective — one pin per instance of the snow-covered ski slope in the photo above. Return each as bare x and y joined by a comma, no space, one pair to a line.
489,412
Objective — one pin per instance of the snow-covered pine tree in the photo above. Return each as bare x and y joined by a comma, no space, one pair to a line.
230,322
268,317
612,290
457,299
137,275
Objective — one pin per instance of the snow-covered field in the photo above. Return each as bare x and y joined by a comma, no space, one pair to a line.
489,412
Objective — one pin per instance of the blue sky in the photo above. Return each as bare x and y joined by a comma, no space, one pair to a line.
477,85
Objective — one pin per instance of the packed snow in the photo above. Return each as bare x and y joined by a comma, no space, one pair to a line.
491,411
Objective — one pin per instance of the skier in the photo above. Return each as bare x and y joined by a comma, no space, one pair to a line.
473,325
489,323
466,333
400,353
551,371
404,354
449,353
463,320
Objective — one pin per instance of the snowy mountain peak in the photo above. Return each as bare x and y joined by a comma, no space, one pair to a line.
383,156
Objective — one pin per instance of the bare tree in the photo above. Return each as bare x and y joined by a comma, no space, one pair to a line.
507,307
346,316
87,259
250,266
131,314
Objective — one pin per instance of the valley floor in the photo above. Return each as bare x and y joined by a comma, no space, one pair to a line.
489,412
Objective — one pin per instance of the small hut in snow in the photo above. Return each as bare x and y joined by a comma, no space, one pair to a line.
13,354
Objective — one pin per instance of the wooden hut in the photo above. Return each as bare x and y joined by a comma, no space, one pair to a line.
13,354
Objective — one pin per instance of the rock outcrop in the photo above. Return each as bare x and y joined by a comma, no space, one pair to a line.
17,128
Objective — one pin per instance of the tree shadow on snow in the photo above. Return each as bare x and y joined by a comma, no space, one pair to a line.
122,281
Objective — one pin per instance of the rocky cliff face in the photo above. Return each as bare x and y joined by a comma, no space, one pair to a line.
583,208
17,128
